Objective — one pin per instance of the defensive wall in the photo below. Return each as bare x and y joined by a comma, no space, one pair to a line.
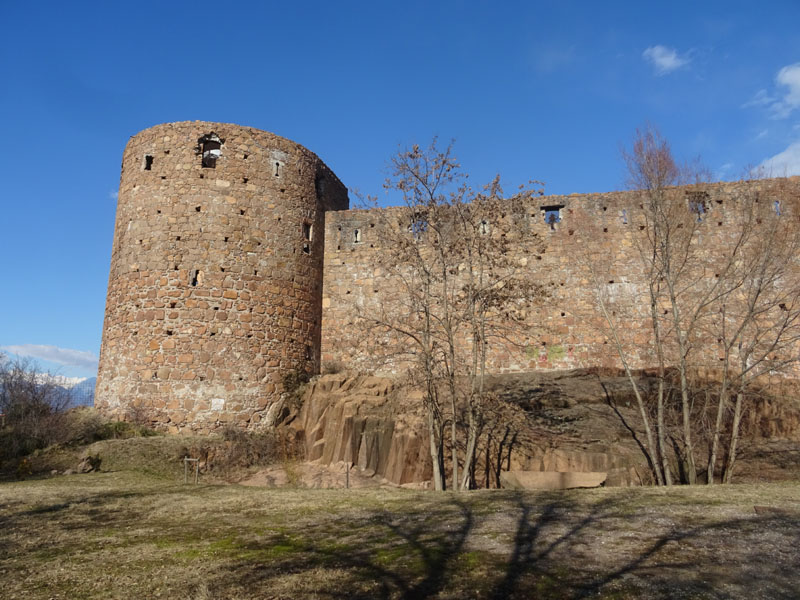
591,250
236,261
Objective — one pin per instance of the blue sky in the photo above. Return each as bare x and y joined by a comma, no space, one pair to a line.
530,90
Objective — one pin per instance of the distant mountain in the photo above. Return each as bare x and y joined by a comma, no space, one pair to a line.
82,393
74,391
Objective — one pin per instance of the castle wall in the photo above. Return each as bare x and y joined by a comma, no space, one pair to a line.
592,251
216,274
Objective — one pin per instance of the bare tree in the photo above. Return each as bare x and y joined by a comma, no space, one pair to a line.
31,404
446,249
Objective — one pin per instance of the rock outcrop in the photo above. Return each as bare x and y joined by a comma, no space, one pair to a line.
379,427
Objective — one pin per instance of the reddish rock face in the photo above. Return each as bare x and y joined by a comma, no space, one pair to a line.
216,274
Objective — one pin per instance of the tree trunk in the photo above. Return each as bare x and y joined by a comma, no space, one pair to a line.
469,455
662,440
436,454
737,418
723,400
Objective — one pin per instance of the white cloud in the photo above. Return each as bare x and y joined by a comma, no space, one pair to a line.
664,60
61,356
789,78
784,163
723,171
787,97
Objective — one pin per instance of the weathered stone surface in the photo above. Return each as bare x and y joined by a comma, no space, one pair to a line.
224,279
216,275
88,464
551,480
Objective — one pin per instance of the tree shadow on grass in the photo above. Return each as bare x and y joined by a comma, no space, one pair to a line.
554,549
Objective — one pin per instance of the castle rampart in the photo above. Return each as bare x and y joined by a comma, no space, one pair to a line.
591,249
235,261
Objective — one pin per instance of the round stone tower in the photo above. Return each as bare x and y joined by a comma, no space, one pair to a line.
215,288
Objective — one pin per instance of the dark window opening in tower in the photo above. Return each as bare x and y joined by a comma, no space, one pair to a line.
148,162
419,225
307,231
309,353
357,236
484,227
211,148
277,169
197,277
776,205
306,248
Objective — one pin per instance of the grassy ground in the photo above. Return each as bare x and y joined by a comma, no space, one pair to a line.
129,534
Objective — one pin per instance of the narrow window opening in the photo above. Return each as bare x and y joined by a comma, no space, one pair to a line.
226,239
777,207
211,149
484,227
197,278
178,239
241,212
245,156
306,248
148,162
624,216
244,180
309,353
698,204
222,269
419,225
552,215
255,273
307,231
277,169
356,236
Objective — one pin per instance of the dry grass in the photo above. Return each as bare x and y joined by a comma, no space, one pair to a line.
129,534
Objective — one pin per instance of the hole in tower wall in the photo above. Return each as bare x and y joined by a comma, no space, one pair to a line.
197,208
148,162
211,150
277,169
197,277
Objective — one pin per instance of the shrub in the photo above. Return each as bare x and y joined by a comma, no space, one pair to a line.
32,408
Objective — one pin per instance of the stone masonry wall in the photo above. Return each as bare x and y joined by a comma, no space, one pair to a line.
216,274
591,251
